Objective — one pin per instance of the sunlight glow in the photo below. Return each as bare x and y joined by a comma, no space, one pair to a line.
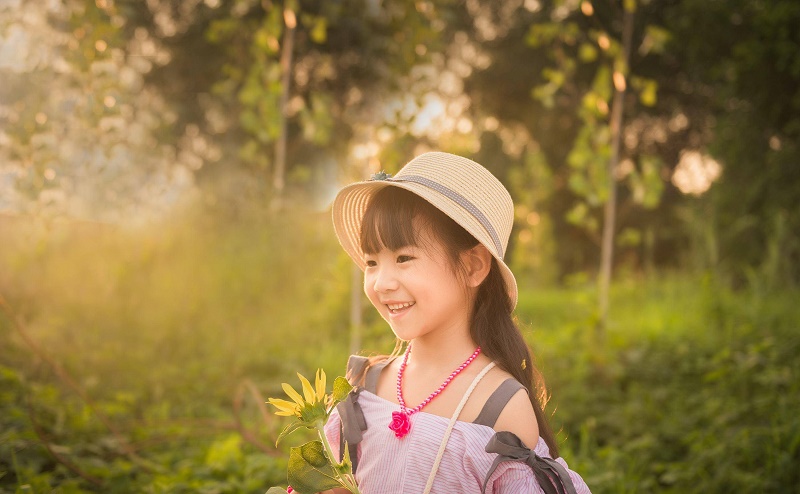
604,42
695,173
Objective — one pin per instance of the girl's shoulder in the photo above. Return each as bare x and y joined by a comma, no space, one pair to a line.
519,418
514,410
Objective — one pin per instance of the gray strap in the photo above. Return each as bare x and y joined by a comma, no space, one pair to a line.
355,366
497,402
353,426
551,476
353,423
352,417
373,374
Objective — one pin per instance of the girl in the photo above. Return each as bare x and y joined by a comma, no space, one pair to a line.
458,409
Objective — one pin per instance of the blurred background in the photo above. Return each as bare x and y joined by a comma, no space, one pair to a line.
167,257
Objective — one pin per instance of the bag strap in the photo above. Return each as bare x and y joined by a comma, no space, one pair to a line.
452,423
497,402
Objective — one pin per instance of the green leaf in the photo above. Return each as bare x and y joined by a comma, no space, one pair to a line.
629,237
556,77
319,33
577,215
652,181
545,94
655,40
277,490
310,470
602,82
346,467
312,413
648,95
587,52
578,184
340,389
289,429
540,34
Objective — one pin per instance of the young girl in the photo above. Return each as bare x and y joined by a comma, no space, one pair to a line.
460,409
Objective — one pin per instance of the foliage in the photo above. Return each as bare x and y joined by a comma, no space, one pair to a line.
752,94
695,392
586,56
119,110
79,129
164,349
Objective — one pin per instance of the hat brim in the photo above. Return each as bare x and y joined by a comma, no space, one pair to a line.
352,201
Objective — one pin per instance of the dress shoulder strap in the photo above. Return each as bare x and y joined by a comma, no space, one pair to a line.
353,423
355,367
374,373
497,402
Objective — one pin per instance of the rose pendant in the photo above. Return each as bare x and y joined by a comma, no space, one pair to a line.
401,424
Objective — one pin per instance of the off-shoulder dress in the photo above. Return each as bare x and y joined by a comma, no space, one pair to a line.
386,465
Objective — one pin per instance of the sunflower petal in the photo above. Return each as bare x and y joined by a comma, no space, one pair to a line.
308,391
292,394
283,405
320,383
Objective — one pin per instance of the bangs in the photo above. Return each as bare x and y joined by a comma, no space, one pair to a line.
389,220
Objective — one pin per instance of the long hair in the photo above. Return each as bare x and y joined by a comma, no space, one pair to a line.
389,222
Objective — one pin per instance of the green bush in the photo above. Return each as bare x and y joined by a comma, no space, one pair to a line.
695,388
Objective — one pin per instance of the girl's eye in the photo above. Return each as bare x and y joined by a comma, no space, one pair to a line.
404,258
371,263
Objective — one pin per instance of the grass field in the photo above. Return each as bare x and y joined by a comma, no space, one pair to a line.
139,361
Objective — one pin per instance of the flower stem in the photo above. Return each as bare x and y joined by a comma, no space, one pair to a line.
348,480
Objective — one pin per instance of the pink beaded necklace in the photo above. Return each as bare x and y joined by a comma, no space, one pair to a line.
401,421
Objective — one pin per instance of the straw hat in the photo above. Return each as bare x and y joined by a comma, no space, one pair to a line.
459,187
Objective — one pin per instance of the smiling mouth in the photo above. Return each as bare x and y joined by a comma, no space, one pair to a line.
398,308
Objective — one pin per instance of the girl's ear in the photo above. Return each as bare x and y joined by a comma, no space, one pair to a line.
478,262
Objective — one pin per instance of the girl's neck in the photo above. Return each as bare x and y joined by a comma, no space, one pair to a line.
442,350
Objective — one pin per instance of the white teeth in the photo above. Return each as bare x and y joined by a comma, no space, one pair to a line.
399,306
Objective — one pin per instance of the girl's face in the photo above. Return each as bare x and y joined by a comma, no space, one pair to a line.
416,290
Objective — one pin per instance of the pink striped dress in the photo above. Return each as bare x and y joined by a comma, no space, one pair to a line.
387,465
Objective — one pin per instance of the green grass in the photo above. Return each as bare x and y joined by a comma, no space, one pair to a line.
692,388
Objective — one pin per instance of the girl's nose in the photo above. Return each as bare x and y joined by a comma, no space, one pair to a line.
384,280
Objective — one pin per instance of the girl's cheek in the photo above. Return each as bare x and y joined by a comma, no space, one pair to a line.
373,299
369,287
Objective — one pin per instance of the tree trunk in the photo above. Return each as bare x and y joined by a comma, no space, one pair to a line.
287,49
617,106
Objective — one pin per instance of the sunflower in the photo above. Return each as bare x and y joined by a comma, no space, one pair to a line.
302,406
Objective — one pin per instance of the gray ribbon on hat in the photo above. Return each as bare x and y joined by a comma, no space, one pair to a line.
455,197
353,424
551,476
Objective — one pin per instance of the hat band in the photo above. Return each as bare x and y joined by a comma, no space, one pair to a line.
458,199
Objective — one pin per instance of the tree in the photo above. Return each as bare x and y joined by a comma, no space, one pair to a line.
741,63
79,127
